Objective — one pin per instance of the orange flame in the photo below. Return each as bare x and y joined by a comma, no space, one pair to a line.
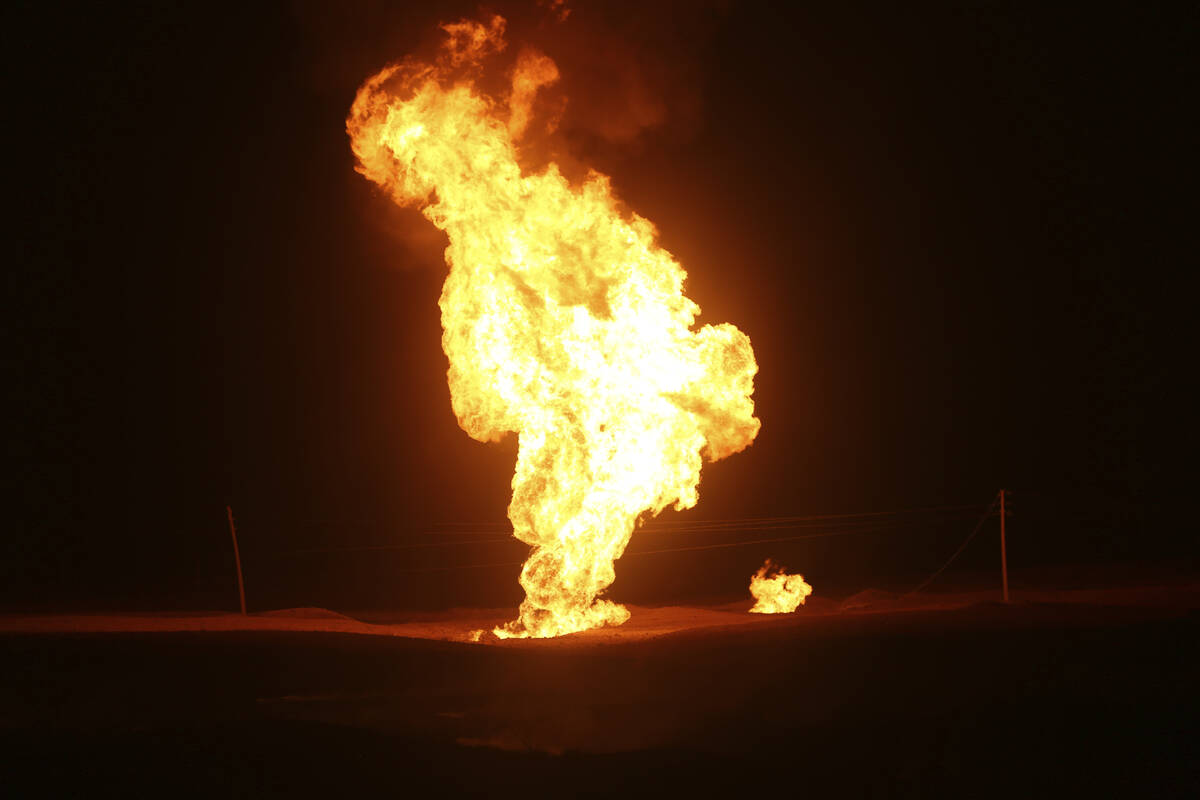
563,321
775,591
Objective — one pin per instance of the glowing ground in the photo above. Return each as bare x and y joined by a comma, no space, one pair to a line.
1082,691
458,625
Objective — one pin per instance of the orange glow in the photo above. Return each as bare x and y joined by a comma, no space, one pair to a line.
563,321
776,592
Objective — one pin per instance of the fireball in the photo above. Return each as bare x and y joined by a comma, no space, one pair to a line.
563,322
776,592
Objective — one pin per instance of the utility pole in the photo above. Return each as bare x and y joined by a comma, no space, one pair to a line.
237,558
1003,547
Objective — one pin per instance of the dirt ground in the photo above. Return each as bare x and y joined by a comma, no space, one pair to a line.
944,696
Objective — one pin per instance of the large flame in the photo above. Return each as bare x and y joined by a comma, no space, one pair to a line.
563,322
776,592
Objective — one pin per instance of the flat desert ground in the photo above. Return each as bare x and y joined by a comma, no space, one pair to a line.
1055,694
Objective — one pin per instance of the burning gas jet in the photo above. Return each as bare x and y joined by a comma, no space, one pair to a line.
776,592
563,321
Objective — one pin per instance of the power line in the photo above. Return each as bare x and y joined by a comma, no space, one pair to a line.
866,522
461,566
467,528
961,547
419,545
743,544
631,554
898,512
798,526
828,530
671,526
833,524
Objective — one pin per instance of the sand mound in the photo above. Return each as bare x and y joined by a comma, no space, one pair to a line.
869,598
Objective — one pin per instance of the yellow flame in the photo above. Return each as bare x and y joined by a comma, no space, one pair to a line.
775,591
563,321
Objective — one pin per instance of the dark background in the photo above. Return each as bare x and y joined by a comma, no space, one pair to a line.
945,230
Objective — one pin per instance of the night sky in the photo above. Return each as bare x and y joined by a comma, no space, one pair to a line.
939,226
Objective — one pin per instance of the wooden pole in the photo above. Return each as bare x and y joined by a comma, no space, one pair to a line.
237,558
1003,548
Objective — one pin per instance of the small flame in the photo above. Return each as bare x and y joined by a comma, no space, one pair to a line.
563,321
775,591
